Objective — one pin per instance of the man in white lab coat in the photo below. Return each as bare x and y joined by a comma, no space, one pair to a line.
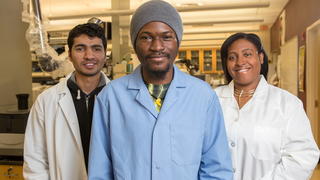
59,125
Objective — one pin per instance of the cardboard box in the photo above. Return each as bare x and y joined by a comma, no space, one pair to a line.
120,68
118,75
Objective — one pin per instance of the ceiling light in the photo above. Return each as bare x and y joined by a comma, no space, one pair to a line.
224,21
204,39
207,7
201,45
221,31
212,22
189,4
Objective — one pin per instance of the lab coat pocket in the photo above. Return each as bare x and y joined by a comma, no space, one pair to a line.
266,143
186,144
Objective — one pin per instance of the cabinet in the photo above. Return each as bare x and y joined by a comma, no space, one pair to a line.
195,57
207,59
14,121
11,172
182,54
218,61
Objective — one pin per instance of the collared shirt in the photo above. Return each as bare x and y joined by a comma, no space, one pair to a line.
158,93
131,140
270,136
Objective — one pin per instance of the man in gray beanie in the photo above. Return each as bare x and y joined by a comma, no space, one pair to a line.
159,11
158,123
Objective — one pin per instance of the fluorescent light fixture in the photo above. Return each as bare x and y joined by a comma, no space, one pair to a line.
225,21
224,6
207,7
203,39
200,45
221,31
221,21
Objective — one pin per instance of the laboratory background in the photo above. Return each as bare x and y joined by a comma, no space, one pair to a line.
34,54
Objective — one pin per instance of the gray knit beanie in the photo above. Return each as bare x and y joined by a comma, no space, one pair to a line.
155,10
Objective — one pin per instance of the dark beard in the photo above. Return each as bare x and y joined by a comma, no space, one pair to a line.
158,74
88,75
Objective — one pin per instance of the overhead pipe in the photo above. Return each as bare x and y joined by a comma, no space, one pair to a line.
224,6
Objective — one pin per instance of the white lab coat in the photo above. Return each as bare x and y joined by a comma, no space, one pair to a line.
52,147
270,136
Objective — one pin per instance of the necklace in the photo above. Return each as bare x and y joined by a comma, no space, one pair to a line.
242,94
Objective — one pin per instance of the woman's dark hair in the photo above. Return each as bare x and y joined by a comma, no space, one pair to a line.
254,39
89,29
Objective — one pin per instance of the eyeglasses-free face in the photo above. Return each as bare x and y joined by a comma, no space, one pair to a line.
157,48
244,64
87,55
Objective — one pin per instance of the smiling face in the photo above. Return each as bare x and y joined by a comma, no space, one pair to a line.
87,55
156,48
244,64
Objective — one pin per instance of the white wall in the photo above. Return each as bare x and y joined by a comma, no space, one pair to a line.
312,77
15,69
288,62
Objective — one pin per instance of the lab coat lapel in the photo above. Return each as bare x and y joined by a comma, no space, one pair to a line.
67,107
143,97
171,97
178,84
145,100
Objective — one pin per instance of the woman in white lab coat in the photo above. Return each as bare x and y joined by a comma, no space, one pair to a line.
268,131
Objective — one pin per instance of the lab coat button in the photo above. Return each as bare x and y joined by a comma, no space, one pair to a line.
232,144
234,170
158,167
